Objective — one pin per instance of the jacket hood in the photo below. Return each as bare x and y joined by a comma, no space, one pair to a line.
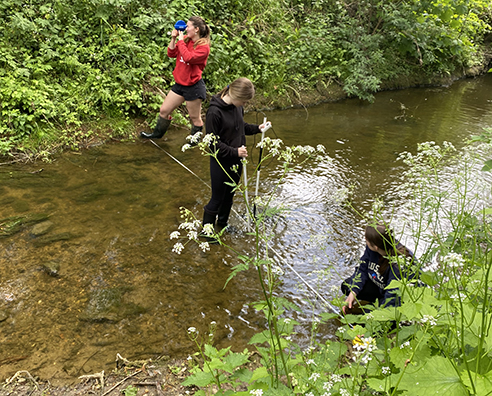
217,101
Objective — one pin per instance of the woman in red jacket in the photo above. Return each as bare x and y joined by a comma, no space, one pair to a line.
191,53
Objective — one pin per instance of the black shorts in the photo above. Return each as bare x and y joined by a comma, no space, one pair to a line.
193,92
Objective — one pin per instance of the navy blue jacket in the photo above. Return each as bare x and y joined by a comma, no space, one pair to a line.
368,270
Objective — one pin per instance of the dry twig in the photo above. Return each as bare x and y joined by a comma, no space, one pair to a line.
18,374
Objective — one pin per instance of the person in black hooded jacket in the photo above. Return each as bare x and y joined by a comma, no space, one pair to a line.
225,120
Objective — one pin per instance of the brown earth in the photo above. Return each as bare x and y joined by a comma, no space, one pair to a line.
157,378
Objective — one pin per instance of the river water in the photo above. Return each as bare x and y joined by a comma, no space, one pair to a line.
118,287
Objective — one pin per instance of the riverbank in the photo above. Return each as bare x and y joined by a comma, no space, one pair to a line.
152,378
108,129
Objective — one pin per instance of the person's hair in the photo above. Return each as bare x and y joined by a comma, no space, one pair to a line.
240,89
203,31
382,237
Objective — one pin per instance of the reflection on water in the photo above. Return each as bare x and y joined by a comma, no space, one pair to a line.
98,276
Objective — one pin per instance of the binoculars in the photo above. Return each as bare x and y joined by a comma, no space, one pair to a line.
180,25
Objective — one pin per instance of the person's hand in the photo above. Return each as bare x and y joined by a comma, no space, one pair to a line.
181,35
174,34
265,127
349,301
242,152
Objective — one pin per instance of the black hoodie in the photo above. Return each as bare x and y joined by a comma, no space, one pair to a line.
227,123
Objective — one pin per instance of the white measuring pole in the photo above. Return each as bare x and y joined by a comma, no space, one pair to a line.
259,162
245,181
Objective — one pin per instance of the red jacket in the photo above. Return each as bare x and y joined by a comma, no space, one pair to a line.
190,61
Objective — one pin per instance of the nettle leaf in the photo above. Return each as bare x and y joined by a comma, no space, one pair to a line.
199,379
436,376
260,338
234,360
259,373
243,375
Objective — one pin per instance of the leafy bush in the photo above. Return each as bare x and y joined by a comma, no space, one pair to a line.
66,63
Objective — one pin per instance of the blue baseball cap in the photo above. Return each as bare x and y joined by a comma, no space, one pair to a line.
180,25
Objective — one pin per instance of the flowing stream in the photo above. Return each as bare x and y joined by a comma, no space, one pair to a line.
90,272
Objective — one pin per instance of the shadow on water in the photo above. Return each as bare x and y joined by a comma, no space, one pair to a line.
93,275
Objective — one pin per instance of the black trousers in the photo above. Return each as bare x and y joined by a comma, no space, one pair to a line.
222,193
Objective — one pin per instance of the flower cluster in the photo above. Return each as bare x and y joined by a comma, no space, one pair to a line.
191,225
363,348
314,377
458,296
429,319
289,154
192,333
178,248
405,344
194,139
453,260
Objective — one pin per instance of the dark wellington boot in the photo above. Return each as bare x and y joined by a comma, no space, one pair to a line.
159,130
223,216
195,129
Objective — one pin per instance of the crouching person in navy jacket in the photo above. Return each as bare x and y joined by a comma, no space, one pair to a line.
376,270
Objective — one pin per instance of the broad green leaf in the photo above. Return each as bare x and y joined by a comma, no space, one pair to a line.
380,385
210,351
260,338
332,354
417,310
384,314
280,390
394,284
410,352
482,383
406,332
488,166
429,278
329,316
233,361
243,375
199,379
436,377
260,372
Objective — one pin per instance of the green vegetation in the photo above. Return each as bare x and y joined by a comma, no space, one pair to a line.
439,341
73,70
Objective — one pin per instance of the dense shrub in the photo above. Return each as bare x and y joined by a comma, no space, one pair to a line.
67,63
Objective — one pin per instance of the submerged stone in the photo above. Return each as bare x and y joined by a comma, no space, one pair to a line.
42,228
45,240
3,316
14,224
52,268
107,305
